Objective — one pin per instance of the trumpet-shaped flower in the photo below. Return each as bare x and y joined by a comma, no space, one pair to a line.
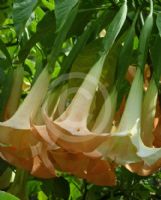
121,140
16,137
89,166
148,114
70,130
125,145
15,94
69,152
150,155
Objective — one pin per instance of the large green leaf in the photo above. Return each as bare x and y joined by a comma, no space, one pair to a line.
114,29
22,10
7,196
62,10
44,35
88,56
91,29
144,39
82,40
57,46
126,53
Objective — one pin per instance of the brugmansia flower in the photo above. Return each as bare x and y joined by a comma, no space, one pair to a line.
16,137
70,130
23,144
14,98
148,114
121,140
24,147
131,135
146,151
151,161
84,165
70,153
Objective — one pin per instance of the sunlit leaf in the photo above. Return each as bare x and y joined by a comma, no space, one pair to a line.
22,10
44,35
62,10
7,196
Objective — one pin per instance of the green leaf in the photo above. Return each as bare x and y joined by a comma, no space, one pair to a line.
93,26
22,10
4,95
58,188
94,193
33,187
114,29
57,46
42,196
48,4
144,39
126,53
158,22
3,166
156,59
110,65
44,35
2,75
62,10
46,29
75,189
61,188
7,196
38,65
4,65
82,40
5,51
106,42
86,58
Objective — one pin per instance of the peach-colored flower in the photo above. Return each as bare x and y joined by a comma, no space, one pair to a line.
16,137
69,130
89,166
